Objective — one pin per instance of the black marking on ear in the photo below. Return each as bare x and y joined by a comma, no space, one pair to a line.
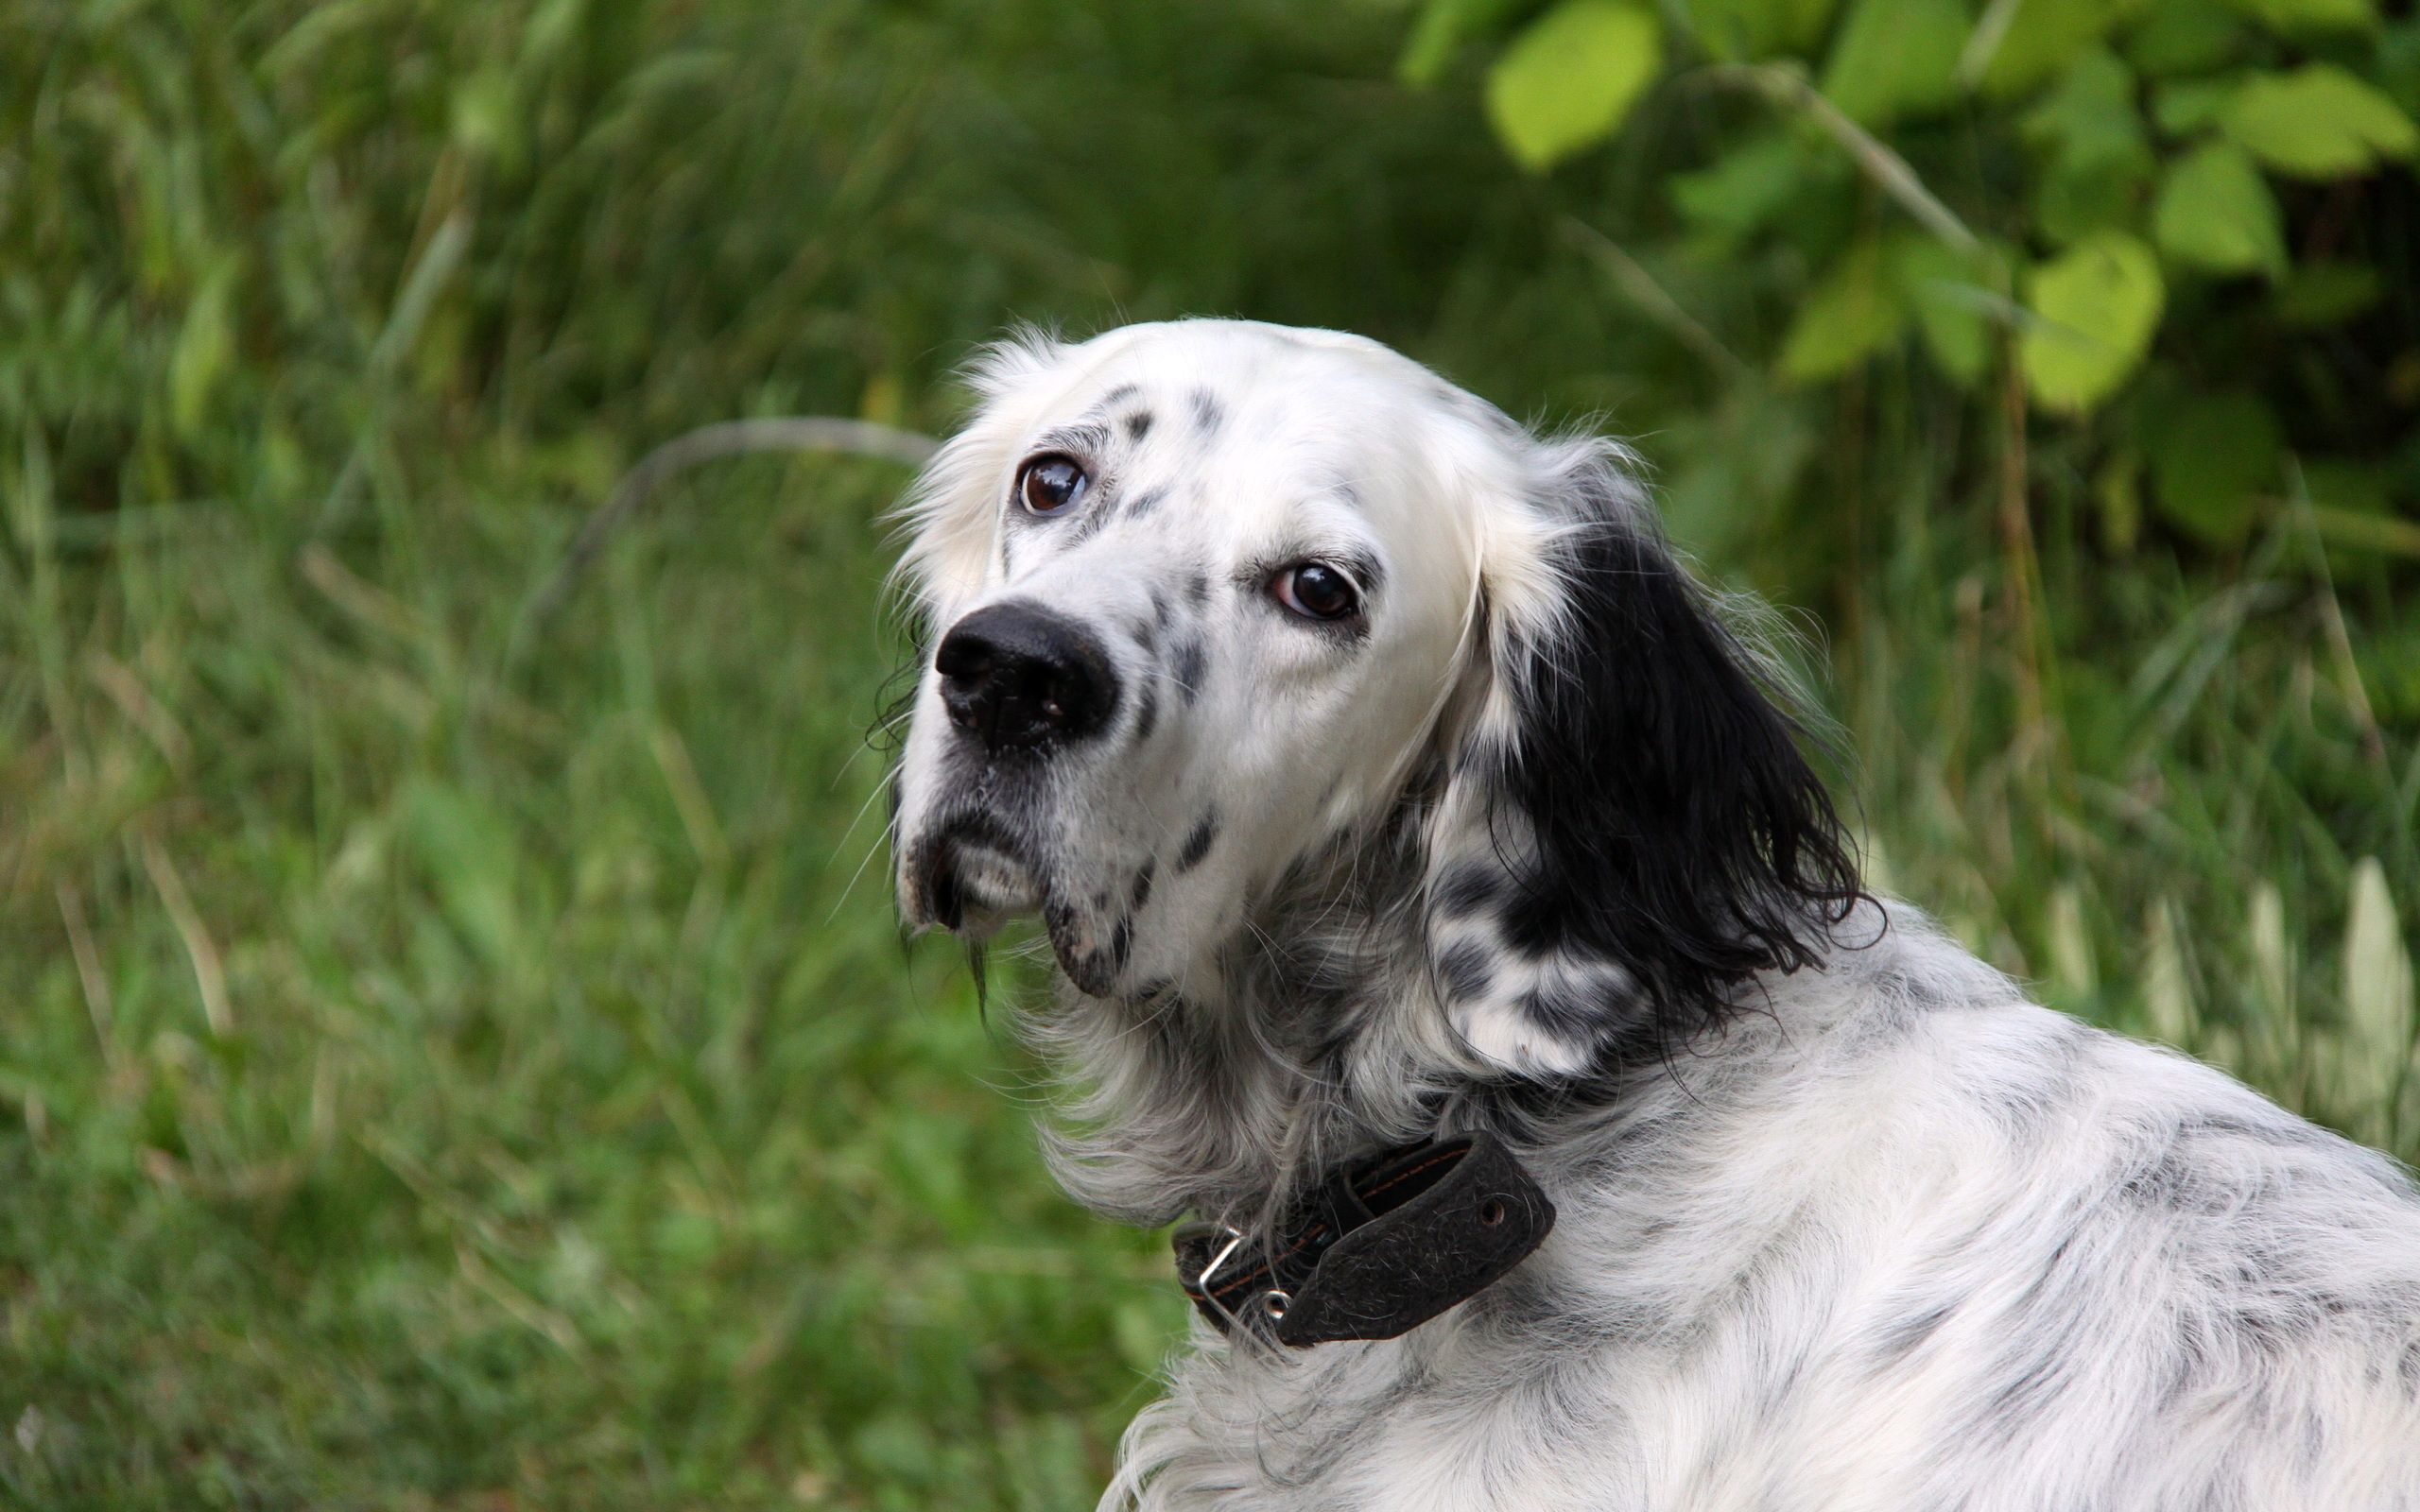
1468,887
1652,811
1197,844
1187,667
1142,894
1570,1011
1138,424
1466,969
1208,414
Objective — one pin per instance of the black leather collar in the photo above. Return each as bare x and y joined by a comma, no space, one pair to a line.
1381,1247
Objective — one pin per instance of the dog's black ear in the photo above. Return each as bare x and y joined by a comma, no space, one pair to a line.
1631,829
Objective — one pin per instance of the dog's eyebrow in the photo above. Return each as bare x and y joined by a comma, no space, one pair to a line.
1358,562
1084,439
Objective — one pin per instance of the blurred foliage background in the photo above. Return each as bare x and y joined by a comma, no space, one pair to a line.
430,1081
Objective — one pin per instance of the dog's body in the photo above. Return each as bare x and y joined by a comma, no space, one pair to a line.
1907,1242
1377,774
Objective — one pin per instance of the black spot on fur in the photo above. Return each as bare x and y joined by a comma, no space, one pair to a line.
2281,1132
1468,887
1121,943
1119,396
1101,899
1143,886
2170,1184
1208,414
1906,1336
1138,424
1186,668
1569,1012
1196,588
1147,503
1146,712
1197,844
1467,969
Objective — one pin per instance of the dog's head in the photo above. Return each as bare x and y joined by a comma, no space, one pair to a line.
1213,603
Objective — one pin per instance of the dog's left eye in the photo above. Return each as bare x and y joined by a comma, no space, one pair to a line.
1316,591
1051,483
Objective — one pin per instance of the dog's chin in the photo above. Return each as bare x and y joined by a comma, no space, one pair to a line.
972,887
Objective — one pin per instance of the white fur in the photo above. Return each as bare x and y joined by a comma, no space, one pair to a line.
1887,1237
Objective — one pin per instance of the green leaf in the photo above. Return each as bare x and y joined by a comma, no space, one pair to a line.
2089,120
1896,59
1946,290
1443,28
2183,37
2098,156
2398,61
1566,82
2043,35
1742,191
2311,15
1733,30
1852,314
2097,305
2187,105
2318,122
2215,212
2212,456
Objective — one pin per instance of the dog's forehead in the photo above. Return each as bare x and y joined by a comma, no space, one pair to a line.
1277,379
1253,419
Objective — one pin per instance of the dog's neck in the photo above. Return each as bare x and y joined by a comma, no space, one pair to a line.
1316,1033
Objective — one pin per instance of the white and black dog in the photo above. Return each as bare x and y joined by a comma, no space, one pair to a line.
1430,862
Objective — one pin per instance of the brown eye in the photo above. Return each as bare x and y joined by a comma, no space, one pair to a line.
1315,592
1051,483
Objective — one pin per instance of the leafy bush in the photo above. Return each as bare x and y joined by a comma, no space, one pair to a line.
2182,230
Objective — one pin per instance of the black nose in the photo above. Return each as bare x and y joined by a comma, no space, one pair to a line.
1017,677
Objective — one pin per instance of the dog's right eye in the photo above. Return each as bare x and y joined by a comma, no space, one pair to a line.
1051,483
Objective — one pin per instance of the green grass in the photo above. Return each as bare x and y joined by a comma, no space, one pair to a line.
431,1084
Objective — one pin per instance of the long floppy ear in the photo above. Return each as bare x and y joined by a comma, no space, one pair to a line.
1628,828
